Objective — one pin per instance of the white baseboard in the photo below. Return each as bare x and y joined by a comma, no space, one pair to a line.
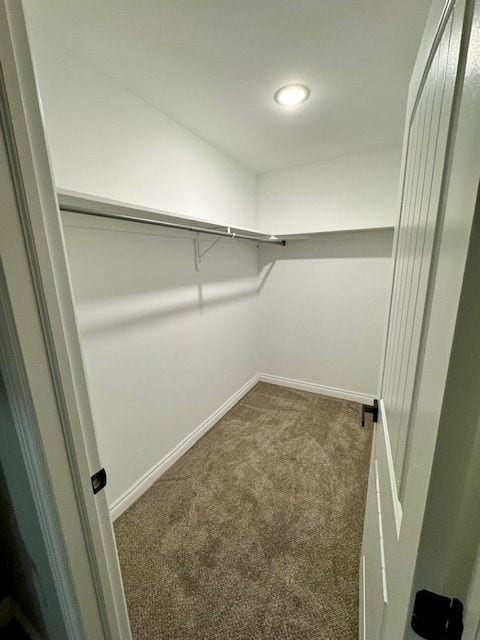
133,493
312,387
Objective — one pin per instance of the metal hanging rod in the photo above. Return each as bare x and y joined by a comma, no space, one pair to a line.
172,225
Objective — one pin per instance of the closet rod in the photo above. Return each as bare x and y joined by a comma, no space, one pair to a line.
172,225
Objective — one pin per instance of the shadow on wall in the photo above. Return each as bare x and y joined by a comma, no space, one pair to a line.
115,258
129,311
123,278
112,294
332,246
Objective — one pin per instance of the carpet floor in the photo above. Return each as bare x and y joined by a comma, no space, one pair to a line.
255,533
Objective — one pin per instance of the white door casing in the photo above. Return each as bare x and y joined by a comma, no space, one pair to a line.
37,285
437,205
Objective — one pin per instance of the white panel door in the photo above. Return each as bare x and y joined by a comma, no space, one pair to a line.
427,279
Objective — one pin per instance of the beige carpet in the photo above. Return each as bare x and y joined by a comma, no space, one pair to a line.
255,533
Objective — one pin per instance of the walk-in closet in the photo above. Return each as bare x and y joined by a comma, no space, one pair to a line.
234,180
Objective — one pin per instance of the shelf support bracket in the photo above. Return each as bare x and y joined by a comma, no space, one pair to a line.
199,253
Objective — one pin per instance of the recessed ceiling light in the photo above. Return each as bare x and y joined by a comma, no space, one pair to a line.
291,95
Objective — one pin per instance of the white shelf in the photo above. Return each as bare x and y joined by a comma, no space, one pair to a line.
85,203
311,235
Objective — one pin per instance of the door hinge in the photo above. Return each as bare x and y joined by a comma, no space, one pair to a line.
99,480
373,409
437,617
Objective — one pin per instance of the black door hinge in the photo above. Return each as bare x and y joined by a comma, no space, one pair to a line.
366,408
437,617
99,480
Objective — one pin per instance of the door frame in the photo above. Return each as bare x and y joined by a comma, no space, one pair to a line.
42,333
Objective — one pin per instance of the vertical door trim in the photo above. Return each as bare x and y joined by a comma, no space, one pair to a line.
42,234
35,271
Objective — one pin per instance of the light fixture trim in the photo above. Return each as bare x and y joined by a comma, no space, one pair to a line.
292,95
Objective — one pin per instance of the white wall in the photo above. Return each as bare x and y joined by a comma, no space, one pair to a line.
106,141
164,345
322,309
324,301
153,329
350,192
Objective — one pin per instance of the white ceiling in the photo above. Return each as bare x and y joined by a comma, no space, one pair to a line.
213,66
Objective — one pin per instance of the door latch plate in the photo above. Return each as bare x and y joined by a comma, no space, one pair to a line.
99,480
